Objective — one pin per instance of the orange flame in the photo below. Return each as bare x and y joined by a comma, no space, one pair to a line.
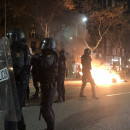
104,76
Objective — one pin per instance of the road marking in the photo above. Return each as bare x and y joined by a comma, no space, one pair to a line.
118,94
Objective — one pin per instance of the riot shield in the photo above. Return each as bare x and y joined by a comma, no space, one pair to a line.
9,105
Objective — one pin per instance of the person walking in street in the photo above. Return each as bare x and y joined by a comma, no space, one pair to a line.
86,70
48,69
21,66
61,77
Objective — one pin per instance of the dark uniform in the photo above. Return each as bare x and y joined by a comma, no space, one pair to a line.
35,64
48,67
87,77
21,65
61,76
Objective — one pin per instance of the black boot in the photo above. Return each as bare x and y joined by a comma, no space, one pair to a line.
10,125
52,127
21,124
82,96
63,97
23,127
59,100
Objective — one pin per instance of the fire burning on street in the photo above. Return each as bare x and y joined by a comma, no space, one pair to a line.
102,75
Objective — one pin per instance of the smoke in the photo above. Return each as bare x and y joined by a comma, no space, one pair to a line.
66,39
69,35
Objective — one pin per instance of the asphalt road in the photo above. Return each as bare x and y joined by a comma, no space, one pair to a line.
102,90
110,112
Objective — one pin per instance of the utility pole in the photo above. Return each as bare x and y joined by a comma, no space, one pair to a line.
76,47
5,17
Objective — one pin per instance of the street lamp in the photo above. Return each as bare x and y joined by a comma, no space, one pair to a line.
84,19
71,38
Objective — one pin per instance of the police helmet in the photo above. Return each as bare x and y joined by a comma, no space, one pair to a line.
48,43
87,51
16,35
62,53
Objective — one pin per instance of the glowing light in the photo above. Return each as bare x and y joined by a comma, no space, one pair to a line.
84,19
104,76
71,38
11,68
114,60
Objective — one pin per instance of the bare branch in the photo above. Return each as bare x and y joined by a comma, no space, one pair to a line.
101,37
99,31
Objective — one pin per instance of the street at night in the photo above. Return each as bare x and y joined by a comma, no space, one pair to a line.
65,65
110,111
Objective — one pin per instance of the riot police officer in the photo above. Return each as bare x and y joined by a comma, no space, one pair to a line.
86,68
34,63
48,67
61,76
21,66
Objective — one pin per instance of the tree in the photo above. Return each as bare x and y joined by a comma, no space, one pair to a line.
69,4
99,24
13,20
43,12
100,19
40,13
